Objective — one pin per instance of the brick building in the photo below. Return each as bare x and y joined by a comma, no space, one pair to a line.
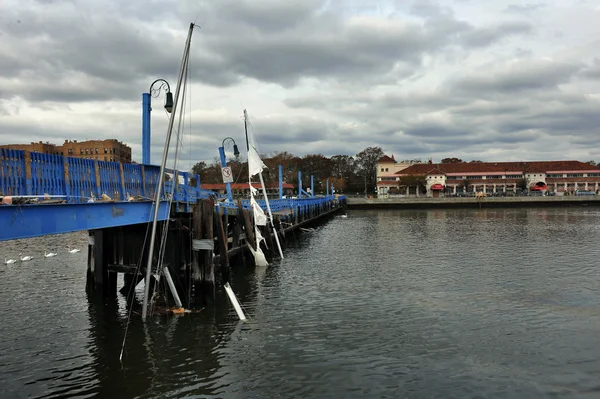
102,150
491,178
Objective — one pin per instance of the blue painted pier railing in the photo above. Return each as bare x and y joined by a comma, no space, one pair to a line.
82,194
84,180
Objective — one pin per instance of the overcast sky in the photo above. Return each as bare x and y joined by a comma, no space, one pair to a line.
491,80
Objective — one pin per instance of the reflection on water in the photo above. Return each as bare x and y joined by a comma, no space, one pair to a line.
441,303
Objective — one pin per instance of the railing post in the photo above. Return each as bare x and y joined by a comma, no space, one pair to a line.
328,187
280,181
28,183
312,186
144,190
66,177
299,184
122,181
97,173
186,196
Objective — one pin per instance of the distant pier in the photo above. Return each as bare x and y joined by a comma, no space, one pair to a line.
472,202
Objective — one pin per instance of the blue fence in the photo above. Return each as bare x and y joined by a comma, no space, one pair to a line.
80,180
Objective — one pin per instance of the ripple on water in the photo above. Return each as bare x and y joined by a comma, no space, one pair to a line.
441,303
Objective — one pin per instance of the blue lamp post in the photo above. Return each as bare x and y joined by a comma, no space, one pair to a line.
236,153
147,108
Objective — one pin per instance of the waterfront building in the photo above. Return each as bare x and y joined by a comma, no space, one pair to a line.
388,168
491,178
101,150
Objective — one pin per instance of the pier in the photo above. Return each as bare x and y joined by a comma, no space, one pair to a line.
472,202
205,235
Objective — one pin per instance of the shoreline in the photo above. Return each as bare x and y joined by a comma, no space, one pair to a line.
472,202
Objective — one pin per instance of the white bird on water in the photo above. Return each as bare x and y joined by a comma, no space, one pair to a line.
25,258
9,261
49,254
74,250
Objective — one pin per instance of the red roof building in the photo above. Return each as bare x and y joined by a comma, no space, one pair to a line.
429,179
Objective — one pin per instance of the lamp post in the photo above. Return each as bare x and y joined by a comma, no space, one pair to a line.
147,108
236,153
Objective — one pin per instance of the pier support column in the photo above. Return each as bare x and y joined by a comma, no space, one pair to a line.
203,246
98,277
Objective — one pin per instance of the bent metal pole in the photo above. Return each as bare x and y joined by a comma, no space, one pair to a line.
162,171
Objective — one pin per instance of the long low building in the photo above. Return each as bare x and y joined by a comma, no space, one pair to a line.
439,179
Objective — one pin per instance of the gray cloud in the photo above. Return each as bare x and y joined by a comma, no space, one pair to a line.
524,8
515,77
320,76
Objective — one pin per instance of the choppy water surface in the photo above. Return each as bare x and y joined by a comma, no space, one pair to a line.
382,304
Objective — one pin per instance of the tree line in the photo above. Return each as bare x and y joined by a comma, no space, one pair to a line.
347,173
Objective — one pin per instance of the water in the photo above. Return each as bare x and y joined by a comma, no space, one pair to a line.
382,304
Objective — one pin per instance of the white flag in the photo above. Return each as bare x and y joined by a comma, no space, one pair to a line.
259,215
255,164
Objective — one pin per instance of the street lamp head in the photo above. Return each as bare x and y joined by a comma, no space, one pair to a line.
236,152
169,102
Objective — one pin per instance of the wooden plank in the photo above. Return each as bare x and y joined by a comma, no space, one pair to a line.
129,269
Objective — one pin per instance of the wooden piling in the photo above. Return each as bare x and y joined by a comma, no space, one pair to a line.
249,229
223,248
204,273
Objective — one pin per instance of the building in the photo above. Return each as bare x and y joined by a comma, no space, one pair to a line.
491,178
388,167
102,150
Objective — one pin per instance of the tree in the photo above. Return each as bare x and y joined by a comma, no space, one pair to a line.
591,163
342,166
451,160
366,165
315,165
476,161
198,168
338,183
289,163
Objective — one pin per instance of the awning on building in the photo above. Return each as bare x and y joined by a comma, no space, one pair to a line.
437,187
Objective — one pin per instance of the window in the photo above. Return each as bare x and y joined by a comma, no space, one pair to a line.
81,151
574,174
388,178
593,174
382,169
96,152
70,151
105,158
455,177
474,177
106,150
554,175
386,169
86,151
493,177
514,176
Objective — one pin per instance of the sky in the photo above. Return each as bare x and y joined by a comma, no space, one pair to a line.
497,80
